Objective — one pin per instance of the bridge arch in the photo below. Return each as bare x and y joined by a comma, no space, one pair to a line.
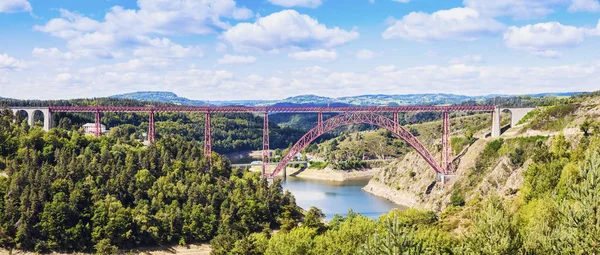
516,115
357,118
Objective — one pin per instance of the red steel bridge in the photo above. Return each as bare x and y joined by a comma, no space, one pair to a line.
346,115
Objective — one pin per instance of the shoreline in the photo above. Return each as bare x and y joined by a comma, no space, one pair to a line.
326,174
404,199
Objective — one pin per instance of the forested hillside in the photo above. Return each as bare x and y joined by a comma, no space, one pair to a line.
64,191
231,132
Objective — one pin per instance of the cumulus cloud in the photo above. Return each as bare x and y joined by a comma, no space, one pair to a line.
519,9
460,24
165,48
315,55
544,39
9,63
53,54
367,54
299,3
128,28
13,6
221,84
286,29
585,6
467,59
235,59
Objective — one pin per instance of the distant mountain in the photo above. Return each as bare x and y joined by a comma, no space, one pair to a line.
306,100
160,96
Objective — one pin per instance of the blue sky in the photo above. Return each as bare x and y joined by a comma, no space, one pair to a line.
270,49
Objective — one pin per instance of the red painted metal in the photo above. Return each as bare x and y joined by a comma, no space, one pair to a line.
208,138
320,120
98,130
446,143
272,109
355,118
266,153
351,115
396,123
151,133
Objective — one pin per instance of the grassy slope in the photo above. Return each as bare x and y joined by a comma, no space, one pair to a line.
487,167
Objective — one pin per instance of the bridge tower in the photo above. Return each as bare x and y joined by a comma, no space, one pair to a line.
266,153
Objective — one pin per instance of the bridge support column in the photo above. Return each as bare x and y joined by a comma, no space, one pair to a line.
30,117
320,121
266,153
396,124
496,123
151,133
208,138
47,120
98,130
445,143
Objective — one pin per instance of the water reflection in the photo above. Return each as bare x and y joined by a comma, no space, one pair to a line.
337,197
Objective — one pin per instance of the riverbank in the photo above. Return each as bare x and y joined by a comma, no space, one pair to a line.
326,174
378,189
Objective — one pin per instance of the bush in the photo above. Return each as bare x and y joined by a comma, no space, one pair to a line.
105,248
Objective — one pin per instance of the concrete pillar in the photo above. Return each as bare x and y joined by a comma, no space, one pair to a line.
496,123
47,119
30,119
284,172
517,114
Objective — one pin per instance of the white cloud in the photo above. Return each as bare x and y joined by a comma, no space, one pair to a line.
13,6
315,55
367,54
548,54
130,28
64,77
53,54
221,84
165,48
544,39
460,24
234,59
520,9
221,47
299,3
467,59
286,29
585,6
10,63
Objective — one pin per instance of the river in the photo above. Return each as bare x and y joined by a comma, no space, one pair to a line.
338,197
332,197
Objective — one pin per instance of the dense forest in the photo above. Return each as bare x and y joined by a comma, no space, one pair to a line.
232,132
64,191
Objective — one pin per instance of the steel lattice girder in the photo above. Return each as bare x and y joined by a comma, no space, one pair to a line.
272,109
356,118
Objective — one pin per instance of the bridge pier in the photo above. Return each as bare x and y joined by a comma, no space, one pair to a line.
266,153
516,115
208,138
31,115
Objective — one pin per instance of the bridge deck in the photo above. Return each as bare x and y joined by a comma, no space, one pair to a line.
271,109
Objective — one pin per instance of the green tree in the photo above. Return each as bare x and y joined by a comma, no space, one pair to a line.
578,230
494,231
299,241
392,239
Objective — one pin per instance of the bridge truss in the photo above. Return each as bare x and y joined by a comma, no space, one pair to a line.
348,115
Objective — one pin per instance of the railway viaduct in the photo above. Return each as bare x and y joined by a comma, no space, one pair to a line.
347,115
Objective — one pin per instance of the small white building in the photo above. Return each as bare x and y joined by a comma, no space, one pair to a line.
90,129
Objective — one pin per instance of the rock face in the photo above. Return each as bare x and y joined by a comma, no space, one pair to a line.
410,181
